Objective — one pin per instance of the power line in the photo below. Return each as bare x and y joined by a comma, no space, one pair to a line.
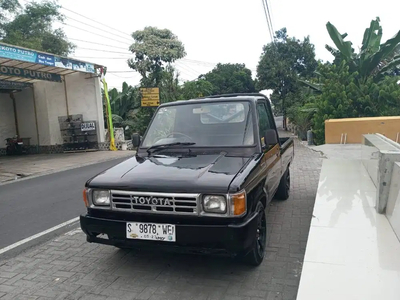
101,50
266,16
109,32
94,43
199,62
97,57
121,72
186,70
95,21
124,77
270,19
195,71
106,37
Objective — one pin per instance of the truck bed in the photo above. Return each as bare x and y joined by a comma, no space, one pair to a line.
283,140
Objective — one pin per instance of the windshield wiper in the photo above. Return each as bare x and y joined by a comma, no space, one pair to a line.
155,148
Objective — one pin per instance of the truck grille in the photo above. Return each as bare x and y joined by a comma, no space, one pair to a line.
182,204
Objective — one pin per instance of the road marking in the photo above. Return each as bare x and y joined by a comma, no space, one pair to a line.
31,238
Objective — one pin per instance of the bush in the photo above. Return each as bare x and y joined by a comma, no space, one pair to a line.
345,95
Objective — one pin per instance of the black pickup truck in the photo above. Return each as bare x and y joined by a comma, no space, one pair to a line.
201,180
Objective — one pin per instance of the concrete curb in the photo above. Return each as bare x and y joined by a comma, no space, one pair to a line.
66,169
38,240
323,155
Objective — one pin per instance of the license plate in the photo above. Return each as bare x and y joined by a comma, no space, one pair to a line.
151,231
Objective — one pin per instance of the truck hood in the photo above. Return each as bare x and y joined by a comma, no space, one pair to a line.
211,173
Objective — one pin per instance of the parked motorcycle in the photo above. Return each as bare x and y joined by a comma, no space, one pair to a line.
14,145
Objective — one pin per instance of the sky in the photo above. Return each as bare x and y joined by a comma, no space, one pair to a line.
213,31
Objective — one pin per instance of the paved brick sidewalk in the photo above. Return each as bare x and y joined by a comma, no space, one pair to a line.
71,268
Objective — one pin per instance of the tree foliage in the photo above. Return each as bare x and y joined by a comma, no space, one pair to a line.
344,96
31,27
7,9
196,88
282,63
230,78
153,49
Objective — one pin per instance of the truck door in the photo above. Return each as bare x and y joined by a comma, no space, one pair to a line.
271,163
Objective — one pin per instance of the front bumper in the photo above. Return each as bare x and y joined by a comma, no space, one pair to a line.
230,239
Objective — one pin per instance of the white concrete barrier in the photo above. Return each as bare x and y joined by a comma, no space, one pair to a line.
393,205
379,156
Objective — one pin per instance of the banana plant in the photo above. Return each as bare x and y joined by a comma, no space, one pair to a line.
374,59
124,102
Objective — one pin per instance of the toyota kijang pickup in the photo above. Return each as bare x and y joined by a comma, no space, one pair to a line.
201,179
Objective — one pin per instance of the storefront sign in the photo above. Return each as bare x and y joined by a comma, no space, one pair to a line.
13,85
17,53
44,59
71,64
32,74
88,126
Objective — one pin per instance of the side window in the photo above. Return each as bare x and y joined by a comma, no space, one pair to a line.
270,116
263,121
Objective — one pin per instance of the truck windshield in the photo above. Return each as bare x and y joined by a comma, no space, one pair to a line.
205,124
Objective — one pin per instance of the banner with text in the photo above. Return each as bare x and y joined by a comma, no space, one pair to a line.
13,85
32,74
44,59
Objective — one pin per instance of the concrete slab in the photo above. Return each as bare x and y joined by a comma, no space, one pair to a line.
27,166
352,251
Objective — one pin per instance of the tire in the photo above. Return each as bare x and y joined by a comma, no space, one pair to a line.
123,247
284,186
257,252
9,150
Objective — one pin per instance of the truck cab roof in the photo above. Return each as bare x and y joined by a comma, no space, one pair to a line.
224,97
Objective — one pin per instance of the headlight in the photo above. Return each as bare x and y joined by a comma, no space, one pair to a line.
214,204
101,197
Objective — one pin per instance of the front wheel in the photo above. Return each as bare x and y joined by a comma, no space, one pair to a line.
257,252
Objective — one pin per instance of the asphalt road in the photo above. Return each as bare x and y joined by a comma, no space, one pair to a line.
34,205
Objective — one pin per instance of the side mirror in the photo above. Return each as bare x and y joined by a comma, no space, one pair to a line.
271,138
135,140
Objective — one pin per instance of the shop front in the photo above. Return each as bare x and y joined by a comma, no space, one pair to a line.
49,104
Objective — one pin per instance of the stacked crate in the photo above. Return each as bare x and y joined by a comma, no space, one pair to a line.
76,134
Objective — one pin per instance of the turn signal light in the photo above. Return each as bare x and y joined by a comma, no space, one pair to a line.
239,203
85,198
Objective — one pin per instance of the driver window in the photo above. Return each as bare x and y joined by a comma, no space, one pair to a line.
162,126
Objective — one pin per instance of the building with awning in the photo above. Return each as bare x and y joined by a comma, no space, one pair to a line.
52,102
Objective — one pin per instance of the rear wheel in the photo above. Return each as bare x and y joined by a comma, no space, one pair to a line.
284,186
9,150
257,252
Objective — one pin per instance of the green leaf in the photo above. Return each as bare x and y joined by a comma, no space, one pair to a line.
394,63
384,52
315,86
344,47
117,118
372,40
